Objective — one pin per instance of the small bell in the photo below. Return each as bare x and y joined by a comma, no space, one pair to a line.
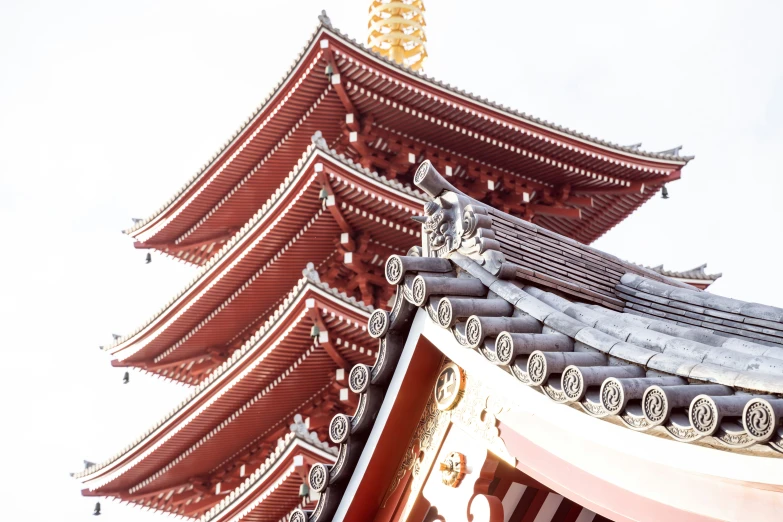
315,332
329,72
324,194
664,192
304,491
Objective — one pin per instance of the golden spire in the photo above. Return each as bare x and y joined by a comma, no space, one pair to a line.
396,30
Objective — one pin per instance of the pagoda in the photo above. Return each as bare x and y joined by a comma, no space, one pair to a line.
289,226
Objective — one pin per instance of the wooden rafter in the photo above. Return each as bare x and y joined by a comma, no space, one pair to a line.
223,235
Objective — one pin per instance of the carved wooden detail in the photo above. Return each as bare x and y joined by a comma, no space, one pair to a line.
457,399
477,414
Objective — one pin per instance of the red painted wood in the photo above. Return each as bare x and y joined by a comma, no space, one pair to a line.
573,513
415,390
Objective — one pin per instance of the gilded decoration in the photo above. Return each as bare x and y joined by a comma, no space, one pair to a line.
449,387
477,414
429,433
475,410
453,469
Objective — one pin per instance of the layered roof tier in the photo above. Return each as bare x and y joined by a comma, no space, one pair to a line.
230,423
329,211
389,118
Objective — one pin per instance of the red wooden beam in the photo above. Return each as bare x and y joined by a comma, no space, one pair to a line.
562,212
200,506
333,207
579,201
223,235
637,187
535,505
330,349
337,85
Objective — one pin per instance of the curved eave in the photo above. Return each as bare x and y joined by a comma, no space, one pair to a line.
307,378
502,114
314,162
222,381
267,108
636,367
254,493
481,109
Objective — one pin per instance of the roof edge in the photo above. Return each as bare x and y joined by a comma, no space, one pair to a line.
292,299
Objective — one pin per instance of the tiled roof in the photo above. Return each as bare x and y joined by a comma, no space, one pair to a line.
275,90
697,274
719,315
638,366
576,346
668,155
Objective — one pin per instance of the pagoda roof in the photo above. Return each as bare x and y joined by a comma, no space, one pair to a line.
292,228
247,167
695,275
686,363
276,372
266,494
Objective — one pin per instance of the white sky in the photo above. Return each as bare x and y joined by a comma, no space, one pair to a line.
107,108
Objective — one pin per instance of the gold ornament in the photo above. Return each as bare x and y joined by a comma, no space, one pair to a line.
450,387
396,30
453,469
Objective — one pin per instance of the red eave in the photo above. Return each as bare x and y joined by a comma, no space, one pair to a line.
271,496
261,134
403,102
244,283
269,378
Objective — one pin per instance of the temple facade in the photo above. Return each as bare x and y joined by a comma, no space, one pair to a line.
499,395
395,315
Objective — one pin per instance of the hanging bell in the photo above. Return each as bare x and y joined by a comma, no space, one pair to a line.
304,491
665,192
324,194
315,332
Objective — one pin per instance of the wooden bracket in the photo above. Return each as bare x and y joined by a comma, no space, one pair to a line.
324,340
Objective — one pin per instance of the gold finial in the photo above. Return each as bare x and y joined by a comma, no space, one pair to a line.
396,30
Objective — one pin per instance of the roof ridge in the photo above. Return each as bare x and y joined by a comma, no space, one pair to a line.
698,272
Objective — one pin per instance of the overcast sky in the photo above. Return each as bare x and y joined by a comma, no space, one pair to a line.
107,108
